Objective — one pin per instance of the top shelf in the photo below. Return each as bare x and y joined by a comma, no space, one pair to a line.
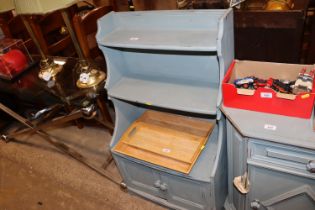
182,40
188,30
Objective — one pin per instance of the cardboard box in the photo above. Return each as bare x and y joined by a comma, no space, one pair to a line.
266,99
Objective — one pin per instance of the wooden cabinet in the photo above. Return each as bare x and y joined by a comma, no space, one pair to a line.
176,191
310,34
274,36
274,162
204,187
173,62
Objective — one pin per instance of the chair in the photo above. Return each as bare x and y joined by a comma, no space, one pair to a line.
51,33
47,31
13,27
85,27
154,5
99,3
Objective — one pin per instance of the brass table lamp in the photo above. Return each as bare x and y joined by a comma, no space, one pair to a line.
48,68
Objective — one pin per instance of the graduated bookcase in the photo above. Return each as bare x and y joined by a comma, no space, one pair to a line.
173,62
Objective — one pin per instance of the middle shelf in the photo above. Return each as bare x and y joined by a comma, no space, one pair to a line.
179,96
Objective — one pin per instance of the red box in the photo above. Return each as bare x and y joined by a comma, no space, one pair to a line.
14,58
266,99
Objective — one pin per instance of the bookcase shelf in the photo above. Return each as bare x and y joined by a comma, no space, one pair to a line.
181,40
189,98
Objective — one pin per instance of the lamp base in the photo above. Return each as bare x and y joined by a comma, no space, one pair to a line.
48,69
91,78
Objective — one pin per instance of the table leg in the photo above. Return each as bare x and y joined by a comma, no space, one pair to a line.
54,122
104,113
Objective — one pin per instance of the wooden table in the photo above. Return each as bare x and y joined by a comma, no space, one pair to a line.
61,96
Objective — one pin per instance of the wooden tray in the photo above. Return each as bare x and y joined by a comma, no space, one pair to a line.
168,140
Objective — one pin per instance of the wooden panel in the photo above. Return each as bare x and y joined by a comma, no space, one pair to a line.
168,140
310,57
122,5
154,4
274,36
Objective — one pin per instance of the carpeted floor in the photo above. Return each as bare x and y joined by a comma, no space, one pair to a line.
34,175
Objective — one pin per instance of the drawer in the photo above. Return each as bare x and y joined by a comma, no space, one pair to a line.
282,156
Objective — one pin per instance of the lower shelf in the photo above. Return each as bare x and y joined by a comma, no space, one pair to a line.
168,140
202,169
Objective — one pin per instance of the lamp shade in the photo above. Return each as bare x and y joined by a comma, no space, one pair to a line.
6,5
41,6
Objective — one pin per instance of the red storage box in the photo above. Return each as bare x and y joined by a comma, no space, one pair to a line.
266,99
14,58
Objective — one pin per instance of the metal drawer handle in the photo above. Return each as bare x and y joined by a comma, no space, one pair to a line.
255,204
310,166
163,187
157,183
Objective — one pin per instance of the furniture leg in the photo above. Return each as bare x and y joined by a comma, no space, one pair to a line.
106,118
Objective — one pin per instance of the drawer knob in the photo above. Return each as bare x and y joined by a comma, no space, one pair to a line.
157,183
311,166
255,204
163,187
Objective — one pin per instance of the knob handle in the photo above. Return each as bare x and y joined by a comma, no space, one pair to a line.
255,204
241,183
311,166
157,183
163,187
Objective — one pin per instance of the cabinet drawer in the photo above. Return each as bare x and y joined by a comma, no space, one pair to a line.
282,156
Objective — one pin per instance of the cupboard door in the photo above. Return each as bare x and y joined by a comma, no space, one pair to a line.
141,178
186,193
273,190
237,166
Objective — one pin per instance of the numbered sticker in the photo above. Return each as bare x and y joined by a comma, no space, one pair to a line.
84,77
166,150
265,95
270,127
134,38
47,76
